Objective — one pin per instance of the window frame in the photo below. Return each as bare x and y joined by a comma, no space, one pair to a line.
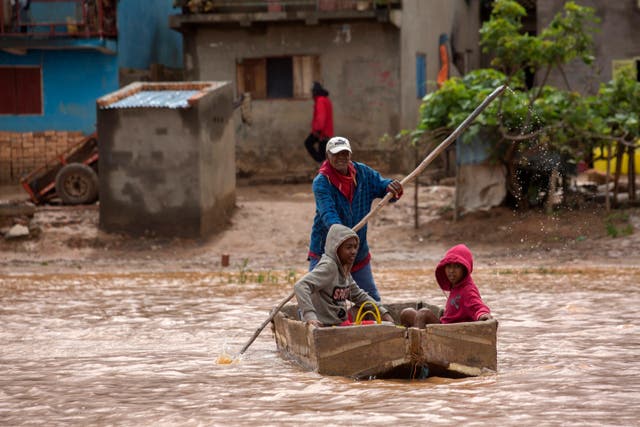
252,76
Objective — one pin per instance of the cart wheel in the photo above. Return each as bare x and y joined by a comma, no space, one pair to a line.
77,184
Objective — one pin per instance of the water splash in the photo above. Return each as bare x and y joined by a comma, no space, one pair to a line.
225,358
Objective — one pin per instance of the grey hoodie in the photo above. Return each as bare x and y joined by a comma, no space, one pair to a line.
322,293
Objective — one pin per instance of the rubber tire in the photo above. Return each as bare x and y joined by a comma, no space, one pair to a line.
77,184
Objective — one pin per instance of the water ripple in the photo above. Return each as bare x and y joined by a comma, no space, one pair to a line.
141,349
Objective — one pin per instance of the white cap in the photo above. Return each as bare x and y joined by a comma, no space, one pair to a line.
337,144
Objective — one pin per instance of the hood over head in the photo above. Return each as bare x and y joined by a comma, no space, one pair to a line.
318,90
337,234
460,254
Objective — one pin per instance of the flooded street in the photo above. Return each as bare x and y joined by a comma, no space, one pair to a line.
140,349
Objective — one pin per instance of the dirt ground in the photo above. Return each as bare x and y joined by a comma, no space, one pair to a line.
270,230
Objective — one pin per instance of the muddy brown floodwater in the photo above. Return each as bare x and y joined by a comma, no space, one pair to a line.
140,349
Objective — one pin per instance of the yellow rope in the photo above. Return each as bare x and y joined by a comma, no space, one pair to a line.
362,314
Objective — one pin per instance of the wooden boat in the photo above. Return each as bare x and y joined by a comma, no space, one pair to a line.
386,350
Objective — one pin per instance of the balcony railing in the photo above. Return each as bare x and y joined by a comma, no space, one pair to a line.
253,6
45,19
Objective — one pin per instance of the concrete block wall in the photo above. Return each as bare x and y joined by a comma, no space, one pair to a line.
167,171
359,67
368,66
23,152
618,38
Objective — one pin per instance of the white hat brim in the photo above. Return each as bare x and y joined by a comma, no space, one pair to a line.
336,150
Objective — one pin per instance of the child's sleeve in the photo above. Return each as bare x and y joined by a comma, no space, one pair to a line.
476,306
320,277
303,289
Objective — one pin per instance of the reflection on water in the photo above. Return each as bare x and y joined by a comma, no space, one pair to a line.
141,349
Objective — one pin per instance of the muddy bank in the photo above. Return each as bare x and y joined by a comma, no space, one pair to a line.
271,224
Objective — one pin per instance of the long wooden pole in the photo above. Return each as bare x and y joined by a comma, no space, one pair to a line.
444,144
266,322
435,153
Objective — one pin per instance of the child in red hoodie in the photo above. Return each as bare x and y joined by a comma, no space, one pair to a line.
464,303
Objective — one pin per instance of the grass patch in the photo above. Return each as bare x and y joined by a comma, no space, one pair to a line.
617,225
246,275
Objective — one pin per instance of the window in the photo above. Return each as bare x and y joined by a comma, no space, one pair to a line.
421,75
21,89
280,77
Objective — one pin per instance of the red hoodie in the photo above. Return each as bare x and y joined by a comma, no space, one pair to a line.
464,303
322,122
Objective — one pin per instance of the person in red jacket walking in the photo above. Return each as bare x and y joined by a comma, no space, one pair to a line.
464,303
321,125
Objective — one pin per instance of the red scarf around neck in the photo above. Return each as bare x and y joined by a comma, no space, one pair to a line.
346,184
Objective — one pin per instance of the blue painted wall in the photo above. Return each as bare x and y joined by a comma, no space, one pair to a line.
476,145
144,34
473,150
72,80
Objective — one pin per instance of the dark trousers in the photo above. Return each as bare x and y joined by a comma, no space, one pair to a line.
316,147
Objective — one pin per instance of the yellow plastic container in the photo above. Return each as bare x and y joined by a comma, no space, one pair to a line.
601,165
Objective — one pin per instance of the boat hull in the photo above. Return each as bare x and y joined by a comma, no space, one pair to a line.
365,351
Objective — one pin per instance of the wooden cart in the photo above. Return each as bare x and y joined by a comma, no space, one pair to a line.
72,176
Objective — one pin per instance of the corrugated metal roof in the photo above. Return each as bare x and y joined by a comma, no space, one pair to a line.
155,99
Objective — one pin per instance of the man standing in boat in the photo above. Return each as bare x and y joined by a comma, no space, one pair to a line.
343,192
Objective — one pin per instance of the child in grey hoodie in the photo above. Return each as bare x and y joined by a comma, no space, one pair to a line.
322,293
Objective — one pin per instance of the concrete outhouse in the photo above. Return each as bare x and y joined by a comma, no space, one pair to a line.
166,158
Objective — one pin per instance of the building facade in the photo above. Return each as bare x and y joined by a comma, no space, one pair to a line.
617,43
376,59
57,57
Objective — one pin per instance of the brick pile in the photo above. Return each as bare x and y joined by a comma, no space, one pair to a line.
23,152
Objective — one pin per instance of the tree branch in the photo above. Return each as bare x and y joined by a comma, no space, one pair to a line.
541,85
564,76
504,133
